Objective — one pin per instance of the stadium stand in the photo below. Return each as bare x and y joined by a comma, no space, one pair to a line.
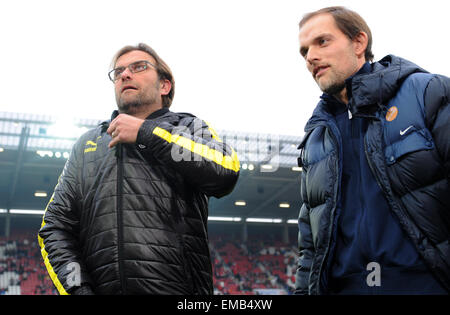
22,271
257,267
252,230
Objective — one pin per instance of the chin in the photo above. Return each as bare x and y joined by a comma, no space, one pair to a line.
324,87
331,88
128,107
334,89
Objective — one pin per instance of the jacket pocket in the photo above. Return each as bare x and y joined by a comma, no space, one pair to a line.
410,140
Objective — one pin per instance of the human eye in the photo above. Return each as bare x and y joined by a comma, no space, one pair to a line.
118,72
323,41
138,66
303,52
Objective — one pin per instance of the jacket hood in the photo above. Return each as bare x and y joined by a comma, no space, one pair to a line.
380,85
374,89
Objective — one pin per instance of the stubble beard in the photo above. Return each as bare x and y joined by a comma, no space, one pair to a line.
130,107
334,89
334,85
138,103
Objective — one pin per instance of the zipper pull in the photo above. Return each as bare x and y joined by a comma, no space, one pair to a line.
350,116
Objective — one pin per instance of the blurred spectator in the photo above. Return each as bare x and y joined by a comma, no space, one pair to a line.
21,268
251,268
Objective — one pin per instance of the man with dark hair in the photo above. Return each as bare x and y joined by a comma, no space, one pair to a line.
129,213
375,184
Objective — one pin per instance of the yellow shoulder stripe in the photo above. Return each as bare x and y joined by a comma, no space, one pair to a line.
228,162
213,132
47,264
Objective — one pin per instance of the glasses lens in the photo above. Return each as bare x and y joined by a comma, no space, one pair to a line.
138,66
135,67
115,74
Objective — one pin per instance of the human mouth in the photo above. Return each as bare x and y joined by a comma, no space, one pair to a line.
319,71
128,87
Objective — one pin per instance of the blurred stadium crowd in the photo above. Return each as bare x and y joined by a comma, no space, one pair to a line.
259,266
22,271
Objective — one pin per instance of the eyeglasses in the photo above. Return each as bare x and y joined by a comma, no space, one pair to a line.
135,67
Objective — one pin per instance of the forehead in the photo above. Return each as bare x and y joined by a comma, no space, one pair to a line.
133,56
318,25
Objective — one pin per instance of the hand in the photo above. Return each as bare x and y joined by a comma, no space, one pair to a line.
124,129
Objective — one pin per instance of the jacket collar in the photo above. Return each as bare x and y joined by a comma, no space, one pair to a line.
336,106
369,88
115,113
153,115
378,86
158,113
365,69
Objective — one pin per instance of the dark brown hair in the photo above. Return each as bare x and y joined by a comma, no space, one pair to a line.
349,22
163,70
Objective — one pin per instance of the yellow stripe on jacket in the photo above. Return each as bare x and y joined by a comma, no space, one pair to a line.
228,162
47,263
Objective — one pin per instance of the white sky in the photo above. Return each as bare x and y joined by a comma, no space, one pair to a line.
236,62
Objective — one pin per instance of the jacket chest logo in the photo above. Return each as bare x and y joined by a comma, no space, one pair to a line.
91,146
392,113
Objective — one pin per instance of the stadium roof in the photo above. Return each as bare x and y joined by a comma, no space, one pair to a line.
34,148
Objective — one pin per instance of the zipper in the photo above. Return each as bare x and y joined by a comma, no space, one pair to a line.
186,265
180,230
119,155
394,203
356,154
369,161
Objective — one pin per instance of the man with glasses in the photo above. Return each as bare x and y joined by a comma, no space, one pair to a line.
129,213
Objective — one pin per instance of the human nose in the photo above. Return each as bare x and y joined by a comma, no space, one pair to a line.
126,74
312,56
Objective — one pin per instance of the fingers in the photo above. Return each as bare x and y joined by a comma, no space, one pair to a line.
115,139
113,132
124,128
112,127
113,142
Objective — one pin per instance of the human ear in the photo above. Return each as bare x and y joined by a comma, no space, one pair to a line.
360,43
165,86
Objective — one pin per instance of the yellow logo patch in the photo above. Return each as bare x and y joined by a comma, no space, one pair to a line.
392,113
90,146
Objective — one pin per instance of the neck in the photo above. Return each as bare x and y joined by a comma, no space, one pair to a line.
142,112
342,96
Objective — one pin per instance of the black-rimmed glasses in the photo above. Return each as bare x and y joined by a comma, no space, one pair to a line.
135,67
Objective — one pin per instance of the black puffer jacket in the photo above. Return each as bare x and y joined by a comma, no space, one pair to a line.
409,157
133,219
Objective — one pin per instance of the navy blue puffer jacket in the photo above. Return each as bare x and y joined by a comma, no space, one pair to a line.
412,168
